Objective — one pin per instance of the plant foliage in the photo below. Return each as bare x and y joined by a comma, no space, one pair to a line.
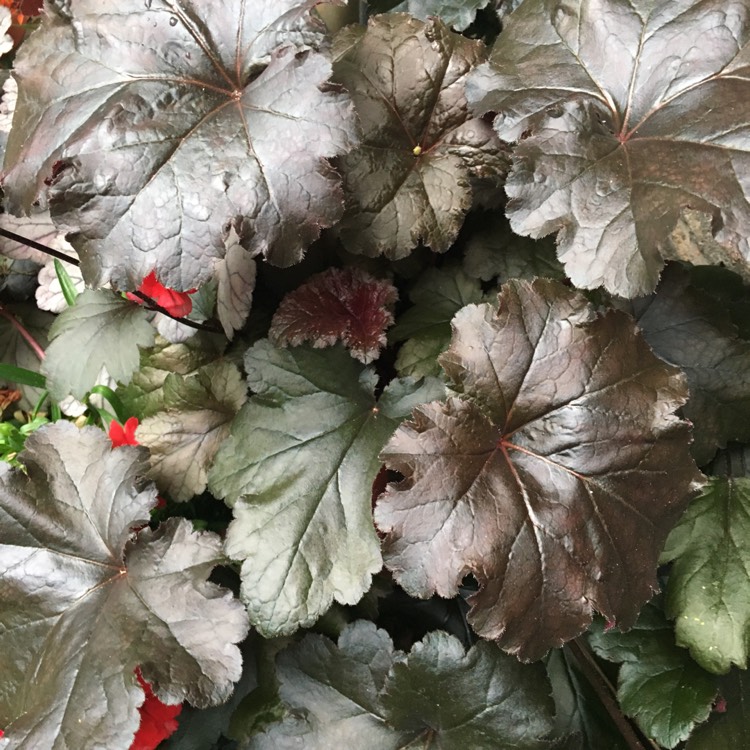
429,323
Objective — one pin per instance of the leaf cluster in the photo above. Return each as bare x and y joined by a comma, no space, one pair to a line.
434,321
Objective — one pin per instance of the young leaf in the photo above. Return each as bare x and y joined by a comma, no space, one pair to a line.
688,328
362,693
411,179
100,330
183,439
345,304
236,124
707,589
730,729
85,602
546,477
624,111
659,685
437,296
457,13
298,470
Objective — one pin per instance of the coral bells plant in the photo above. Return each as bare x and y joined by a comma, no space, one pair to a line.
375,375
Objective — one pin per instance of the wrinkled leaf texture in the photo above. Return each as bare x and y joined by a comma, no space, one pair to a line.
160,125
626,113
412,178
184,438
339,304
554,477
85,601
362,693
298,470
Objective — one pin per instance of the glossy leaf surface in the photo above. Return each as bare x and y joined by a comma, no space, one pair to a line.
546,478
86,600
624,111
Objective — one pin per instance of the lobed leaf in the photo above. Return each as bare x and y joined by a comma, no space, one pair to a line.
425,327
411,180
707,592
658,684
687,328
86,601
184,438
144,395
362,693
553,477
164,124
338,304
621,117
100,330
298,471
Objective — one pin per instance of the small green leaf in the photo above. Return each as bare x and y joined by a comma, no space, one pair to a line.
184,438
144,395
66,283
659,685
100,330
708,593
426,326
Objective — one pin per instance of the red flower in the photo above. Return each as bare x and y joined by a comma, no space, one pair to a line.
158,720
123,434
175,303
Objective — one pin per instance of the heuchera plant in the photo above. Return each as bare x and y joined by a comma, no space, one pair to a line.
428,322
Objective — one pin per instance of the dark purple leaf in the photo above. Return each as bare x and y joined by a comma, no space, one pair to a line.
158,126
626,115
554,477
422,152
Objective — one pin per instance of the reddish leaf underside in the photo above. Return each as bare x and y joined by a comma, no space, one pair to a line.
554,477
345,304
